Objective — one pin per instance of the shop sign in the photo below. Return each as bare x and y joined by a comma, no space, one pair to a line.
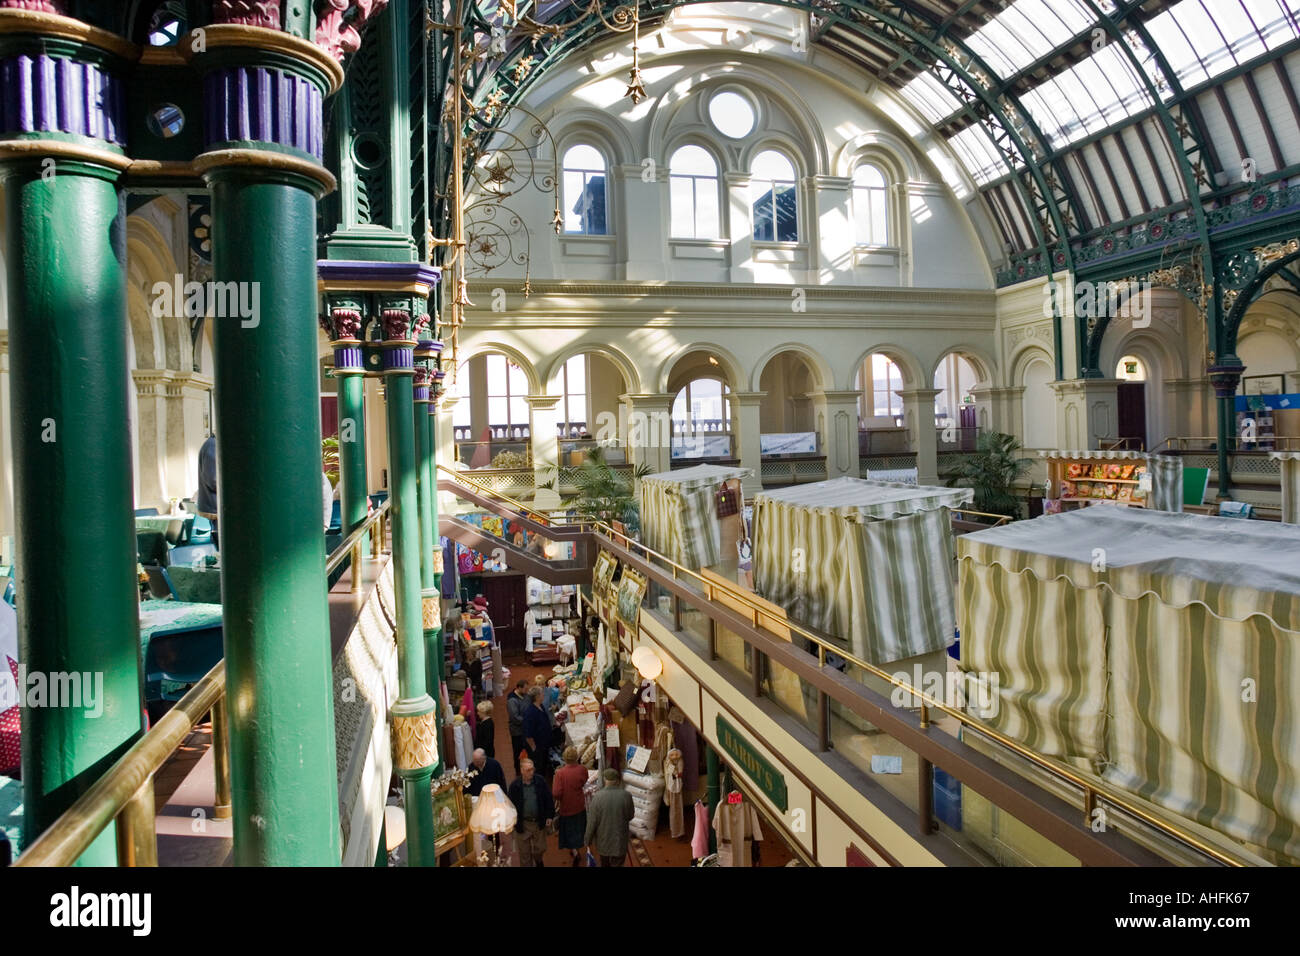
769,780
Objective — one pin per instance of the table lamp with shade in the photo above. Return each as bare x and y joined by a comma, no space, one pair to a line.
493,815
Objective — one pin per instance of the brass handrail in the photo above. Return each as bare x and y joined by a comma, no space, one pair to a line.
526,510
709,587
125,791
356,535
75,830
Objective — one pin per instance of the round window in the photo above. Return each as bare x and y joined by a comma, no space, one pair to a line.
732,114
165,121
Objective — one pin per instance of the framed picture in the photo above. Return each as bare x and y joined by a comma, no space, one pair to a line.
450,812
603,574
631,589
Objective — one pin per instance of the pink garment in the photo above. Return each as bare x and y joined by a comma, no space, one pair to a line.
700,838
470,716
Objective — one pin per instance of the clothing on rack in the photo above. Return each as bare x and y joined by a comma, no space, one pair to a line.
687,741
673,792
700,838
736,825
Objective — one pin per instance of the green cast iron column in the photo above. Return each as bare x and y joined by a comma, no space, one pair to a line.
354,500
65,238
428,541
713,791
277,634
414,719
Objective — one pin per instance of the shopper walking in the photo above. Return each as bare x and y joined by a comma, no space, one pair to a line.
516,703
571,805
610,812
485,770
536,809
537,732
485,733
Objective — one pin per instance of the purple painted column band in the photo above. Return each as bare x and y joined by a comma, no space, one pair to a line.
257,104
348,358
399,358
45,94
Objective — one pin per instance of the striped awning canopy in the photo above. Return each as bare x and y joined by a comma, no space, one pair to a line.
1162,650
869,562
678,514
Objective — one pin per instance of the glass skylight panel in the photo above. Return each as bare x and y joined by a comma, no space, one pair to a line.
931,98
1203,39
1026,31
983,160
1087,98
1271,20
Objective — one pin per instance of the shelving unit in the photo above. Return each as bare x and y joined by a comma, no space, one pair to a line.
1059,468
548,615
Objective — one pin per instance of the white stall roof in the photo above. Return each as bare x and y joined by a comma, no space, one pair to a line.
872,499
1236,567
711,474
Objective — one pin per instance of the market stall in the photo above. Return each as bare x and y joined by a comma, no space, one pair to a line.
1161,651
691,515
869,562
1133,479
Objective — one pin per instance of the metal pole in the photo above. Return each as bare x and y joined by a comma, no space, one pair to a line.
221,759
137,844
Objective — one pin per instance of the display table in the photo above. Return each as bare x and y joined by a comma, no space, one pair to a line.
1157,649
177,527
679,513
201,586
874,562
179,643
11,812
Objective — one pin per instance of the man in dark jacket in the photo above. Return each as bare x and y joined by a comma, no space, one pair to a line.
485,771
516,703
536,808
537,732
610,812
206,500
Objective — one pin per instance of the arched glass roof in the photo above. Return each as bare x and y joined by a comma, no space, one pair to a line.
1072,117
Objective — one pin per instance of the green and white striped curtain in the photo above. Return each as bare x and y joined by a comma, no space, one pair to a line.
870,564
1290,468
1164,650
678,515
1166,482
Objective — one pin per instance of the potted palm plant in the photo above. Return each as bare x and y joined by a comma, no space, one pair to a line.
605,493
992,471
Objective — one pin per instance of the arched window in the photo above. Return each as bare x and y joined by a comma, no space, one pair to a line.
693,185
584,191
870,206
772,191
573,413
460,412
879,378
702,406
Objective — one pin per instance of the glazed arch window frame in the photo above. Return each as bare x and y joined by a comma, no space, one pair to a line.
592,219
